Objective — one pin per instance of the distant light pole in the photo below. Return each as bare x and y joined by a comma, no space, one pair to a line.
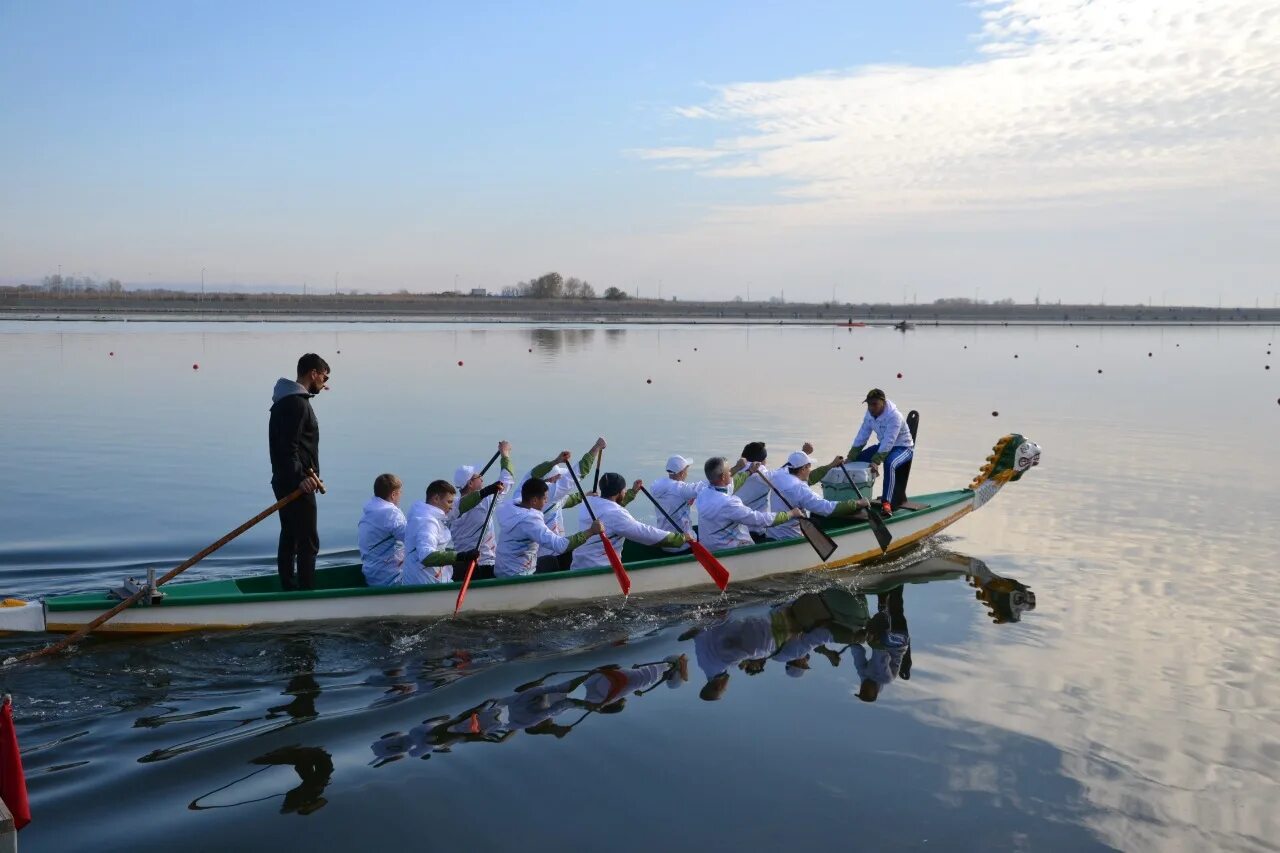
202,285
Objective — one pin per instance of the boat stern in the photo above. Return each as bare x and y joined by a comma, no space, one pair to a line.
1011,457
18,616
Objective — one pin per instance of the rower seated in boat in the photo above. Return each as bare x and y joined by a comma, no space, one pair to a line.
794,480
754,491
723,519
675,494
429,549
561,494
610,507
465,525
895,449
381,533
525,533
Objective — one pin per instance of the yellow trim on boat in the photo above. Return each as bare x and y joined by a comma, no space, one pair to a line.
897,544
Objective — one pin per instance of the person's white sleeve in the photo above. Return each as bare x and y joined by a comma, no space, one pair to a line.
743,514
807,500
892,429
864,431
422,542
547,538
636,531
860,660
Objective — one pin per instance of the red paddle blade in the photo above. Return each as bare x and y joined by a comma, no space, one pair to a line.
624,580
462,592
714,567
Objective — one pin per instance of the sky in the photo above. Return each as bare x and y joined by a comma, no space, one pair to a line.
1116,150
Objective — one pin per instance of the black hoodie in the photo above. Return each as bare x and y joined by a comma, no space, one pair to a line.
294,435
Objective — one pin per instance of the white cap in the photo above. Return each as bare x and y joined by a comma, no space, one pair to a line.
677,463
463,475
799,459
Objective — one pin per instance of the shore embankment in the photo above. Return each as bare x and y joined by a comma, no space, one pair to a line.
426,308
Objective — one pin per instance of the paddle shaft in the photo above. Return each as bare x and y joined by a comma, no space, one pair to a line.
619,570
489,464
76,637
883,536
807,527
705,558
657,505
471,569
774,489
595,486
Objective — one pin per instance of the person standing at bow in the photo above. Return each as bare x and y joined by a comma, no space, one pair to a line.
293,436
895,448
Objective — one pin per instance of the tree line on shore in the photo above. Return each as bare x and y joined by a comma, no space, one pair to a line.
552,285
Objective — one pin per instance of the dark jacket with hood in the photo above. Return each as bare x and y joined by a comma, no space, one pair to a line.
294,435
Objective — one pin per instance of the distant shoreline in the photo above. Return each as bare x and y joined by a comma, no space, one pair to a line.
426,308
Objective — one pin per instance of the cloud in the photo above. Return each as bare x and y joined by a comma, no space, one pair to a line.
1068,102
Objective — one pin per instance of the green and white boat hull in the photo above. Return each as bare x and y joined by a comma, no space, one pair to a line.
342,595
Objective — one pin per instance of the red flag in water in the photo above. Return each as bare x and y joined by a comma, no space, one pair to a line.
13,782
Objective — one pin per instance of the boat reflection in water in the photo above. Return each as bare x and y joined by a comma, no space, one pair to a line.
833,623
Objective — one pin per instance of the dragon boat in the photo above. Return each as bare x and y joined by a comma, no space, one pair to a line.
341,593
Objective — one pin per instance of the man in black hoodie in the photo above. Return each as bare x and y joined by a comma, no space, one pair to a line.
294,435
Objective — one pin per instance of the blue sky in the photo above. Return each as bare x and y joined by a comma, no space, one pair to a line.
402,144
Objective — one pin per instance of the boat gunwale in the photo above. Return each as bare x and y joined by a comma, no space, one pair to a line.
96,601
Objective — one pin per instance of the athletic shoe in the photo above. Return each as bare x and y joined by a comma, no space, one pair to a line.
886,509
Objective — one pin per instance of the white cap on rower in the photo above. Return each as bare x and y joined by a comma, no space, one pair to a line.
463,475
677,463
799,459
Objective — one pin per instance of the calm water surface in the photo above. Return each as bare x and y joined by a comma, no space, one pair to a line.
1135,707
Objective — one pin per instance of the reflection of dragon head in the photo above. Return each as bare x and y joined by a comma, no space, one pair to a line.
1012,457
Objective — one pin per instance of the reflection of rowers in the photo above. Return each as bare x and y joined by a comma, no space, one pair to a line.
533,708
787,634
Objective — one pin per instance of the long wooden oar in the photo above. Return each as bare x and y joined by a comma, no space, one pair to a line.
620,571
165,578
822,544
471,569
714,567
878,527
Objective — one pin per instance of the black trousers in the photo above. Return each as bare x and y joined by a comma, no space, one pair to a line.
558,563
299,542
